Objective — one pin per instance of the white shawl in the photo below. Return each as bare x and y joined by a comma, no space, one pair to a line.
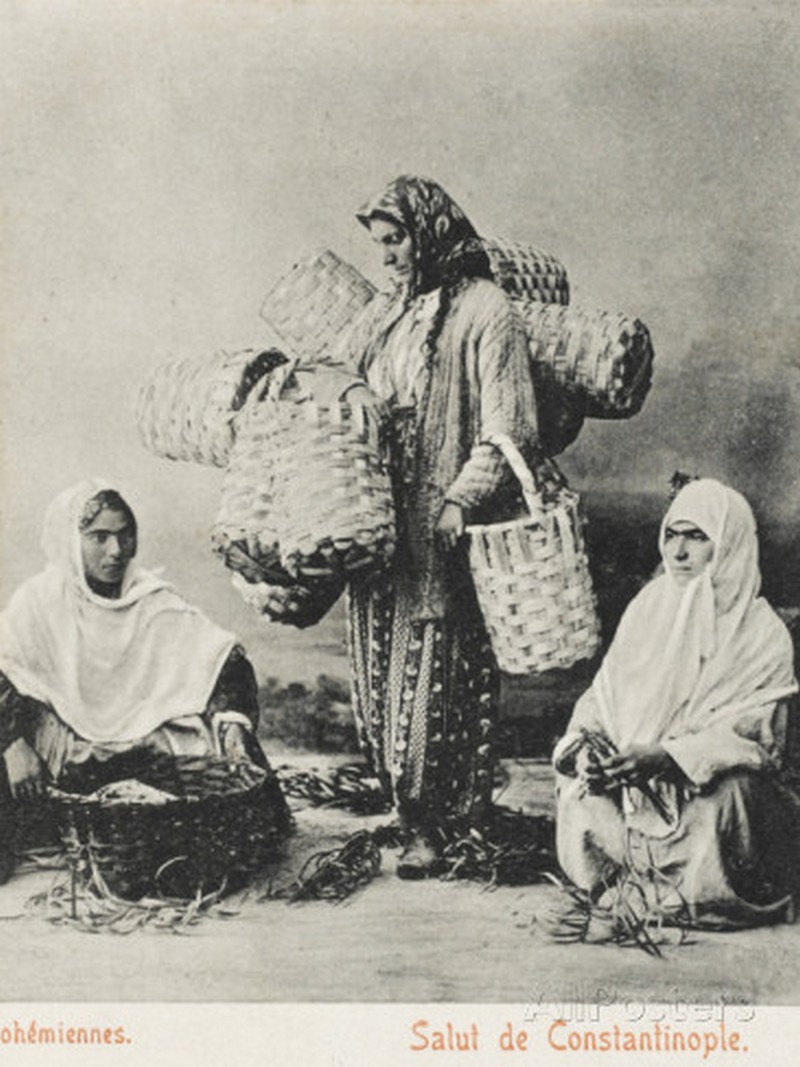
112,669
698,667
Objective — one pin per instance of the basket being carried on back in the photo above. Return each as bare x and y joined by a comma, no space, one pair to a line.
186,407
606,357
311,305
526,272
532,580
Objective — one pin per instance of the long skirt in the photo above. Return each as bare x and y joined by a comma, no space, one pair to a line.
425,698
731,858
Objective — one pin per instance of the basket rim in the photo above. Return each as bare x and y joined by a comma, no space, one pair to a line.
62,798
566,498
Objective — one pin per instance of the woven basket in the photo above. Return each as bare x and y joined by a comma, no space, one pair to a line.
243,534
306,498
311,305
223,826
526,272
605,355
333,508
532,580
185,409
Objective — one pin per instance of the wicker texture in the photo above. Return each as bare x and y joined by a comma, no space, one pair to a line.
605,355
333,509
526,272
310,306
532,581
225,824
185,409
306,503
244,534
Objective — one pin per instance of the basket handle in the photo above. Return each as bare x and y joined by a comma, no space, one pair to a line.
521,470
558,517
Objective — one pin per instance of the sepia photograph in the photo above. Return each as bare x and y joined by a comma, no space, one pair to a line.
399,531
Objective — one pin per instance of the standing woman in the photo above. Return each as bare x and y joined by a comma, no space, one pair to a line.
446,353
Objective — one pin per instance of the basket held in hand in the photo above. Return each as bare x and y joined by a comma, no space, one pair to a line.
292,605
221,823
185,409
311,305
306,497
532,580
244,535
605,356
333,511
526,272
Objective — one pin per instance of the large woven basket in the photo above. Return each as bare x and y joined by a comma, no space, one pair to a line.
185,409
607,356
307,496
526,272
332,499
532,580
311,305
224,825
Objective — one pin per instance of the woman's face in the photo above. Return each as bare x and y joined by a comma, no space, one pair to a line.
108,544
396,246
687,551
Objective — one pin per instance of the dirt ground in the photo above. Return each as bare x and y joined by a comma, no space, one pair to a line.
394,941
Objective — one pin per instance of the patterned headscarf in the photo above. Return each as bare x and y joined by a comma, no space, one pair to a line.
446,245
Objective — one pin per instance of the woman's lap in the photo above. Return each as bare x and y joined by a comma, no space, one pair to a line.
61,749
731,856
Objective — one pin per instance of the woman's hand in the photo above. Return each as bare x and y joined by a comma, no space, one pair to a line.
549,479
637,763
26,775
450,527
233,739
590,772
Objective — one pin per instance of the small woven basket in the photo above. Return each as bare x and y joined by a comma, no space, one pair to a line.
605,355
186,407
223,826
526,272
532,580
311,305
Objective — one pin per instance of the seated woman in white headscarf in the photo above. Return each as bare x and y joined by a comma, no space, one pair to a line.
99,657
671,758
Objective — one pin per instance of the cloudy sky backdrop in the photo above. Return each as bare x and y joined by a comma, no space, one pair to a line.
164,163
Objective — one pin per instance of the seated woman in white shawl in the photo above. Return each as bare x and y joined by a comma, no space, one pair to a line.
99,657
672,754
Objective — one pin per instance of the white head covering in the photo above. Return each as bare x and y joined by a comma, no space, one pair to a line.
685,655
112,669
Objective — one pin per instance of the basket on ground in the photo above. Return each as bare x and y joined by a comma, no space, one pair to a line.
185,409
223,823
311,305
532,580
